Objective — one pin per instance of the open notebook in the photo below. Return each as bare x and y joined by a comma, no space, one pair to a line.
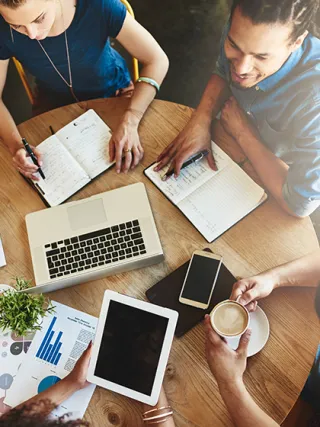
212,201
72,157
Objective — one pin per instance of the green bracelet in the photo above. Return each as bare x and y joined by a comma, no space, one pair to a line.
150,82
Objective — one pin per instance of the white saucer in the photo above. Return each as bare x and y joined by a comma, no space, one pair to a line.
259,325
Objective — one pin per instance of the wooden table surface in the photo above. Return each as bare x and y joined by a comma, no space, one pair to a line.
264,239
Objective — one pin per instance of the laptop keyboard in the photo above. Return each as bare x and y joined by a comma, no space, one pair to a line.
95,249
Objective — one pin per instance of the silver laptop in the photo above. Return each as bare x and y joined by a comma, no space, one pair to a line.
102,235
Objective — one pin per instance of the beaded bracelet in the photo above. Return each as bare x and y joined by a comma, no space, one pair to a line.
150,82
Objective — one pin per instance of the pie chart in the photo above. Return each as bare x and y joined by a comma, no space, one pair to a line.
48,382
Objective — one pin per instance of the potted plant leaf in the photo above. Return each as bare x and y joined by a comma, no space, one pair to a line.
21,312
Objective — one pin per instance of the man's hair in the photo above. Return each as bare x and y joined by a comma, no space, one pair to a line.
301,14
33,416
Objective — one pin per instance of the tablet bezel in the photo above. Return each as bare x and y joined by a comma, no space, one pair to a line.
172,317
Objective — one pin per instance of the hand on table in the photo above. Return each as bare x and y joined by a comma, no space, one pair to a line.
234,120
227,365
125,146
21,160
194,138
78,376
249,291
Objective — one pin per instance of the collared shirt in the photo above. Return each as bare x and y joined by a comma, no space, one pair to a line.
97,69
285,109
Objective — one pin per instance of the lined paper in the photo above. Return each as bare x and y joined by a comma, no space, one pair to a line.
87,139
190,178
221,202
64,176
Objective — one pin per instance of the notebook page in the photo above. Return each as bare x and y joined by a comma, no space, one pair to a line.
221,202
190,178
64,176
87,139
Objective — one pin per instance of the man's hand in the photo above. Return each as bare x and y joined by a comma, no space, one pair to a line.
22,162
125,146
234,120
226,365
78,376
194,138
250,290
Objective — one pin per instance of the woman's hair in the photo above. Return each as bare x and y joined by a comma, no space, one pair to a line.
33,416
13,4
301,14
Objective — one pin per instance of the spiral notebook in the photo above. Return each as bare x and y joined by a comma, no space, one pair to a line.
73,157
213,201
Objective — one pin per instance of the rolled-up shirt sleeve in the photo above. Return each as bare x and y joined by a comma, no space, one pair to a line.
301,190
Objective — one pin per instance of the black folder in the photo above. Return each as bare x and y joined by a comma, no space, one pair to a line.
166,294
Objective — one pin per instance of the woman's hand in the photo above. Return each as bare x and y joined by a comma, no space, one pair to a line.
125,146
23,163
78,376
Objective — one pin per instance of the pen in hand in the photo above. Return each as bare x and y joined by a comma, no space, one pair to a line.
32,156
189,162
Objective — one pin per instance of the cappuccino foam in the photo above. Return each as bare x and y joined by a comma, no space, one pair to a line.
230,319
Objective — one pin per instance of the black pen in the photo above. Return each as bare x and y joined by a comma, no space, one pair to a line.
189,162
51,130
32,156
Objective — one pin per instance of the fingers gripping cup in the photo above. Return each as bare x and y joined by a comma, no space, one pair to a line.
230,319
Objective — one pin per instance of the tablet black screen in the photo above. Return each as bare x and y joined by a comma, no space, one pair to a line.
130,347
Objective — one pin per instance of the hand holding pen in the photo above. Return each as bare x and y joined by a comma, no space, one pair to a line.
24,166
189,162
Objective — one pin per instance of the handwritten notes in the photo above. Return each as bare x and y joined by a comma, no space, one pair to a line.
212,201
64,175
73,156
191,178
87,139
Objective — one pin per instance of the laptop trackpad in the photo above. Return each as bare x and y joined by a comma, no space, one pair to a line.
87,214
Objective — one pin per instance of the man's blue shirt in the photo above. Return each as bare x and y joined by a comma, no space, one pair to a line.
285,109
97,69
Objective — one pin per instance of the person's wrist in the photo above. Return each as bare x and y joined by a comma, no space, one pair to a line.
236,385
14,147
202,118
133,116
71,384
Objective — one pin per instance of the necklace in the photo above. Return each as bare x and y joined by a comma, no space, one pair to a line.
69,84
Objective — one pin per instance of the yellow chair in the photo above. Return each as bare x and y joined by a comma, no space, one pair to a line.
24,78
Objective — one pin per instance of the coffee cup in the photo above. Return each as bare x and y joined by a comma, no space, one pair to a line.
230,319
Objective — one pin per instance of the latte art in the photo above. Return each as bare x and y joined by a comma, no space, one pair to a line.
230,318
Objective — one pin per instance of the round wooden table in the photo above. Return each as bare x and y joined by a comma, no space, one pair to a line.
264,239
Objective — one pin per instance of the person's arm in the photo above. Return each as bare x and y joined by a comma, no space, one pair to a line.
271,170
196,135
294,187
10,135
163,402
61,391
228,366
303,271
141,45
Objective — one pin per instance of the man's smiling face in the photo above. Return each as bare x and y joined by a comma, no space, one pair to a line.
256,51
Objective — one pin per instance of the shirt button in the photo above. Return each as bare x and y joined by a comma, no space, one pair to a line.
257,87
248,112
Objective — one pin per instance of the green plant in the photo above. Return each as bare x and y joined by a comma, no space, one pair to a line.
22,312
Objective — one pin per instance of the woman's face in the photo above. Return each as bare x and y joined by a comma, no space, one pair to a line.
34,18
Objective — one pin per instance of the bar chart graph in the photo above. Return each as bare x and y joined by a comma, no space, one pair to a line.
49,349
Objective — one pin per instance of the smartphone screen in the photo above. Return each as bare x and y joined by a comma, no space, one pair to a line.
200,279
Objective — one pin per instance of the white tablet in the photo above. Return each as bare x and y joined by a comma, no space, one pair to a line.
131,347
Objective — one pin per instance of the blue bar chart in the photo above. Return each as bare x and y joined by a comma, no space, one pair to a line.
49,349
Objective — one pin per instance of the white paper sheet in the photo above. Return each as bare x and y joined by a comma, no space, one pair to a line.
53,353
87,139
2,257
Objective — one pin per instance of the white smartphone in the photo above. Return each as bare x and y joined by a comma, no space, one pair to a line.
200,279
